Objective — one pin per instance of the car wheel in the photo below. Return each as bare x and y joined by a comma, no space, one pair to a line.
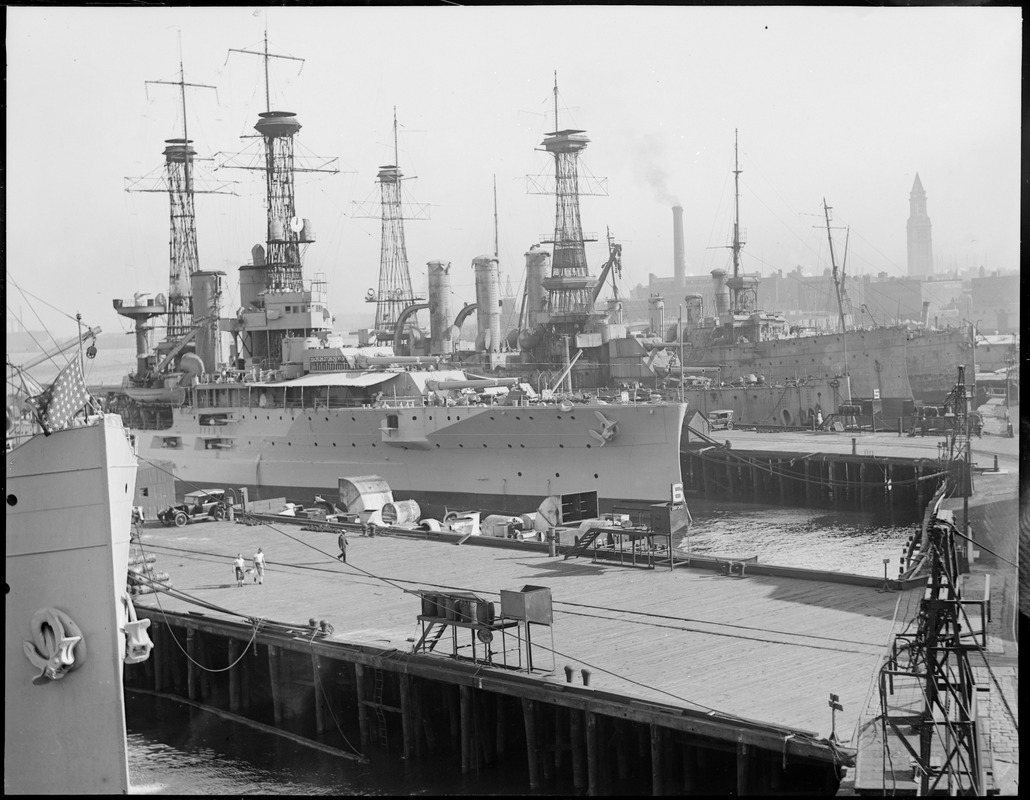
218,512
729,426
181,519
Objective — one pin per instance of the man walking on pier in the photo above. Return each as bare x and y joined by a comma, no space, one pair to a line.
259,567
342,542
238,566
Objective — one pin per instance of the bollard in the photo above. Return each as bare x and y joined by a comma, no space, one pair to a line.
568,674
996,463
586,676
551,544
854,446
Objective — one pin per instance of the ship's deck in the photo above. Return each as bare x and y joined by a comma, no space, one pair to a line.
766,648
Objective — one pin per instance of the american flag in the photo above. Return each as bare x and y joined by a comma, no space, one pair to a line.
62,401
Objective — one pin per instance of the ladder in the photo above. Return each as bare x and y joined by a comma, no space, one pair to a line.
584,542
428,639
378,699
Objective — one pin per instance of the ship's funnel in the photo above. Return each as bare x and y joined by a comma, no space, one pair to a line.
694,306
678,258
207,308
656,308
440,308
538,267
926,313
722,292
488,315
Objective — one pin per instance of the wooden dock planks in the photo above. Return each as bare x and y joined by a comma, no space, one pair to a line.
760,647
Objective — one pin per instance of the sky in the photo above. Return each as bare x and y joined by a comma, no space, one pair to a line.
846,104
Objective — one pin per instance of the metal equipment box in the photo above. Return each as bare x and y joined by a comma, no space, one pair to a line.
531,603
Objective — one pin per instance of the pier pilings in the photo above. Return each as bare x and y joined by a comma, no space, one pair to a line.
897,488
570,739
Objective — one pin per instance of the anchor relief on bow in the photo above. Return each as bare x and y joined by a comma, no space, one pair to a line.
609,429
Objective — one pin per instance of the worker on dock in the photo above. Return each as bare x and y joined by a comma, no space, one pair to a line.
238,566
259,566
342,542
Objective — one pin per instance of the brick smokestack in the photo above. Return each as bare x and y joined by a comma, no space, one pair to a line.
678,263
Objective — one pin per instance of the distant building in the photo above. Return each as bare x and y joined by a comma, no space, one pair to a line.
995,302
920,247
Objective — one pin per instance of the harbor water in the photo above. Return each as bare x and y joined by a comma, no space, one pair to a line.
178,750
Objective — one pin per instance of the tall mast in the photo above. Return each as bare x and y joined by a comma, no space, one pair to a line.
836,283
182,241
737,244
496,249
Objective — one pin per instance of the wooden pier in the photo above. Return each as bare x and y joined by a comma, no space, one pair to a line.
651,681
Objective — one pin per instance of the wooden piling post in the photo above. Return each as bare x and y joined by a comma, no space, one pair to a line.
920,483
192,684
863,490
159,657
578,748
593,756
756,483
545,733
657,762
467,742
704,475
809,483
406,717
359,689
274,665
731,476
499,703
782,480
529,721
234,676
318,694
689,760
622,749
743,769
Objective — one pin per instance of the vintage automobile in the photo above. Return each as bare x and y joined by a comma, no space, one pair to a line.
197,506
720,420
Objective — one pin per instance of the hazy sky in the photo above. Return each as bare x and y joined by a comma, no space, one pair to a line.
846,104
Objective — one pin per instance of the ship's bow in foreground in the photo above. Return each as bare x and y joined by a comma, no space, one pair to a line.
69,501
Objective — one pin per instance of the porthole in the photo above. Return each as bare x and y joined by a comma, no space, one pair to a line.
557,475
595,474
460,444
520,474
509,447
521,445
484,444
588,447
561,446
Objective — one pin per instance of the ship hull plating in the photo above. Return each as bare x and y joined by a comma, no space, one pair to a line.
492,457
69,500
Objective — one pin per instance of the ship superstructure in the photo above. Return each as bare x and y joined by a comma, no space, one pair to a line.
293,409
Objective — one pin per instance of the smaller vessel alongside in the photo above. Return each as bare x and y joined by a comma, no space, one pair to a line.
69,624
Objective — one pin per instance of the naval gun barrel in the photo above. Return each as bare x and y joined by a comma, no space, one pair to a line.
383,361
479,383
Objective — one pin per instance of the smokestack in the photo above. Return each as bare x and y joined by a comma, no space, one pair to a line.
657,309
440,308
722,292
926,313
488,299
207,308
538,264
678,263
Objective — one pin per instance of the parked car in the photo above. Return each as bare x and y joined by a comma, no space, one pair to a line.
197,506
720,420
